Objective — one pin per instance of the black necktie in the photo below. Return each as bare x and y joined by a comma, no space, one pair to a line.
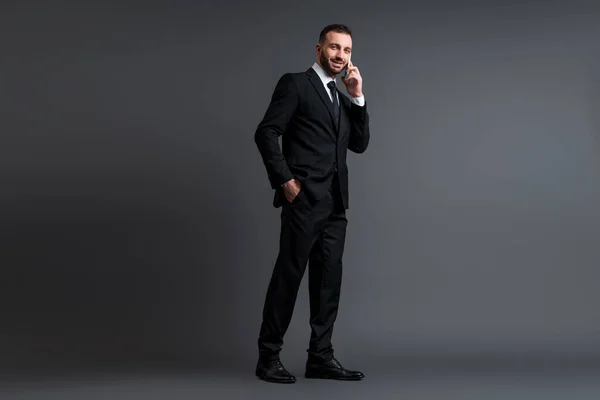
336,107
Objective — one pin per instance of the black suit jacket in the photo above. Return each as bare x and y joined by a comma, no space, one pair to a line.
312,150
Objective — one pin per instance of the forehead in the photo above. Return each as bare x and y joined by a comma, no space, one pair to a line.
341,39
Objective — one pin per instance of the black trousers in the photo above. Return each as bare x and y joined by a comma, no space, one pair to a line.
313,234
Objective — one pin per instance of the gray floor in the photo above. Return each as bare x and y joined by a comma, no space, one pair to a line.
237,387
453,379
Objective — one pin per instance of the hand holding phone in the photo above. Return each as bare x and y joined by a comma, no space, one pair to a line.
353,84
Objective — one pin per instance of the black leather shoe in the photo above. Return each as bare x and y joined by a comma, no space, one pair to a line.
331,369
273,371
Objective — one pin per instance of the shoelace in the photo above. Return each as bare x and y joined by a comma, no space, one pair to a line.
276,364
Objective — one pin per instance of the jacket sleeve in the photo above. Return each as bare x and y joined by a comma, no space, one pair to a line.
360,133
274,123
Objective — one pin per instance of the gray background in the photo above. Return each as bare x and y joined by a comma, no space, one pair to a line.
136,216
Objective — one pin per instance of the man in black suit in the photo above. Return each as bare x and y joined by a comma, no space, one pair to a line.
318,124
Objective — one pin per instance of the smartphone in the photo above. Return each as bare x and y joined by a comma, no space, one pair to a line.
345,73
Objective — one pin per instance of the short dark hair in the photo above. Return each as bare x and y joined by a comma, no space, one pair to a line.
339,28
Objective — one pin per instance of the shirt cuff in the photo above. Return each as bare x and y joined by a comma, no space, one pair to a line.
359,101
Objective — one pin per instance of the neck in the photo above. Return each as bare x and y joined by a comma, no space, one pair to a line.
329,74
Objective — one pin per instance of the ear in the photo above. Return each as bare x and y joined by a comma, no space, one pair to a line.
318,47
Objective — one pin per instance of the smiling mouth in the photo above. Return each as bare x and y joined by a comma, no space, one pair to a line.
338,63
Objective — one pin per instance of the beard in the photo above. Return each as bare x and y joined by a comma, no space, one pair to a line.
325,63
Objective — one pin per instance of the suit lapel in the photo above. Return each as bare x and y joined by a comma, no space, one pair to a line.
318,85
344,120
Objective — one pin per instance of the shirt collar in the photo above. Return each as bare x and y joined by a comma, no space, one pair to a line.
322,74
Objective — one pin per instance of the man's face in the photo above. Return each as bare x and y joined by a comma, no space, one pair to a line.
333,54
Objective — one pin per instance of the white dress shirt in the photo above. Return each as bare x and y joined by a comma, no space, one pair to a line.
359,101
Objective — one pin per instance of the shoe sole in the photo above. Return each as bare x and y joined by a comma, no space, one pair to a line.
309,375
264,378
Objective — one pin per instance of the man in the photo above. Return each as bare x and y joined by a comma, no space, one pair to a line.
318,125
